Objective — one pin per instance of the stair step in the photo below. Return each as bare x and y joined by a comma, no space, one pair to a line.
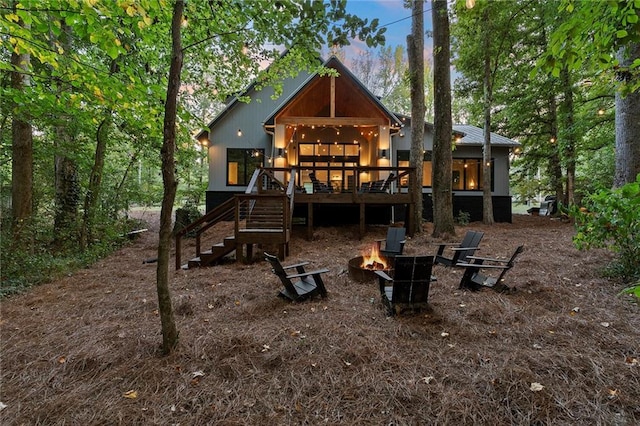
194,263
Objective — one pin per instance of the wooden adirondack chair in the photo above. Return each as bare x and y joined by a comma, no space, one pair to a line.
394,244
299,285
409,286
473,278
467,248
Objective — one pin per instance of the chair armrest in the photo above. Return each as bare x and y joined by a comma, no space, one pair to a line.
482,266
488,259
464,248
306,274
295,265
383,275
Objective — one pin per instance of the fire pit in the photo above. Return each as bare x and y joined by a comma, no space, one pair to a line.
362,268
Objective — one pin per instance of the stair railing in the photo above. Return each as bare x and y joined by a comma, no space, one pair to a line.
224,211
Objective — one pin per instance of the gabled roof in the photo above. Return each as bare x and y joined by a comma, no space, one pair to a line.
335,63
232,101
473,135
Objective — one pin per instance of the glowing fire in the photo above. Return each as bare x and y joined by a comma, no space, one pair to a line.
374,260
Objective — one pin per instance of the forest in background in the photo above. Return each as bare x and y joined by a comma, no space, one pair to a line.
84,86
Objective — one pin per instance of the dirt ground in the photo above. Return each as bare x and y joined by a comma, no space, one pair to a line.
563,349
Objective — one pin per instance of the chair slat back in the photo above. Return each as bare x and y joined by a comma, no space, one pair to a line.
394,238
412,278
471,239
280,272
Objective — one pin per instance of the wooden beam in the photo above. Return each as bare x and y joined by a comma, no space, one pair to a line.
333,121
333,96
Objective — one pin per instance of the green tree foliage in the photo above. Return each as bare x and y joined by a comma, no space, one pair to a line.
611,219
121,63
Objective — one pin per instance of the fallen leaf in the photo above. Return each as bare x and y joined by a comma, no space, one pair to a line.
198,373
631,360
347,363
62,360
613,393
265,348
444,334
132,394
536,387
427,380
604,324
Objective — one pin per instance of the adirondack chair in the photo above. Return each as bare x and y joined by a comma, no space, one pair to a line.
300,284
364,187
394,243
409,286
473,279
319,186
467,248
383,185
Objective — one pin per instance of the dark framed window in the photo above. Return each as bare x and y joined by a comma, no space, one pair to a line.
466,173
241,163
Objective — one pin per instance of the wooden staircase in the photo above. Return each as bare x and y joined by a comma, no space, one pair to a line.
217,252
262,215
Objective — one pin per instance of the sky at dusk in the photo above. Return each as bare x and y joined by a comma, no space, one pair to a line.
392,15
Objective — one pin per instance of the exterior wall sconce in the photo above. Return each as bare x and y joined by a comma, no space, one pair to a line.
239,132
383,153
280,152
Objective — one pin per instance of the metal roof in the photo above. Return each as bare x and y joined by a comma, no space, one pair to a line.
475,136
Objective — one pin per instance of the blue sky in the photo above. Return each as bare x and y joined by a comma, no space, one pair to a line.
391,14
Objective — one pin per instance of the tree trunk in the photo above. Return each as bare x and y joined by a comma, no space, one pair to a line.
21,153
442,158
555,167
415,53
67,188
487,198
67,185
169,330
95,183
627,122
569,137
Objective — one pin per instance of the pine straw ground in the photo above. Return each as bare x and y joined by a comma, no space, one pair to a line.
84,350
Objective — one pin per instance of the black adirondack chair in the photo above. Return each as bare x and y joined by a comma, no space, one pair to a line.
394,244
408,289
474,279
319,186
300,284
467,248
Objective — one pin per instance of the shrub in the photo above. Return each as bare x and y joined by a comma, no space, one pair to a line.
463,218
611,219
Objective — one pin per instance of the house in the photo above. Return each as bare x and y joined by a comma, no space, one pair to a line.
332,130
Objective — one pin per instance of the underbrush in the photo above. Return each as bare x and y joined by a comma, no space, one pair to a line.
611,219
30,261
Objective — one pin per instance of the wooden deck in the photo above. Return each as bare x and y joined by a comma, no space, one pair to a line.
361,200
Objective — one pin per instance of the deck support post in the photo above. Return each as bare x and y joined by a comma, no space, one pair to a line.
362,229
309,221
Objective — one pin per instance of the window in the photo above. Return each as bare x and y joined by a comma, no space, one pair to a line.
466,174
333,163
403,161
241,163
